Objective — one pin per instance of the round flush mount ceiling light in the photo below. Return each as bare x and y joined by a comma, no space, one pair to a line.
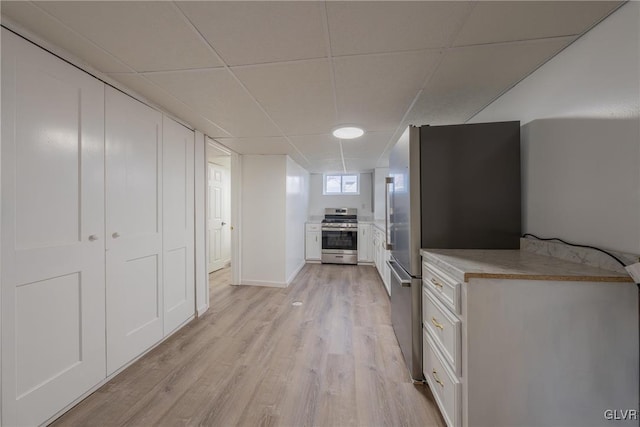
348,132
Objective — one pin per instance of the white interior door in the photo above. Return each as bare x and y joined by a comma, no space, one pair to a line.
52,267
133,136
218,217
178,224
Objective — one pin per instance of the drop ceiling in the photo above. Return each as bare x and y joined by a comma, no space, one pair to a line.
276,77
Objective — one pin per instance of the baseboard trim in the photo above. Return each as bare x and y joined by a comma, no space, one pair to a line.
201,310
263,283
295,273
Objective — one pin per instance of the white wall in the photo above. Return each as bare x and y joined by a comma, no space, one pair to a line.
263,227
275,199
580,116
297,204
363,202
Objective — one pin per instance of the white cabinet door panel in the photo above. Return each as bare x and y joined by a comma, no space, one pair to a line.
364,243
133,137
218,217
313,246
52,272
178,223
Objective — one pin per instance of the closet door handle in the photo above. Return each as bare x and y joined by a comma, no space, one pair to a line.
115,235
93,237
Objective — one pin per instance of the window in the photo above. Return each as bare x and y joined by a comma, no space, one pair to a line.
341,184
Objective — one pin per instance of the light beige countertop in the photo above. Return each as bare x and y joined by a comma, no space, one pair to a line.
465,264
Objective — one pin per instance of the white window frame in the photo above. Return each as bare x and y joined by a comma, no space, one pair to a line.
340,193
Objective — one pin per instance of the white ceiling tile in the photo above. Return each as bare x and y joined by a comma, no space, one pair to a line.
375,91
367,27
395,47
317,146
371,144
325,165
361,164
297,95
216,95
272,145
260,32
50,29
148,36
167,101
470,78
500,21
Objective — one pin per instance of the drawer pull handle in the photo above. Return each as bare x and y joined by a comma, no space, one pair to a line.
436,323
434,373
436,283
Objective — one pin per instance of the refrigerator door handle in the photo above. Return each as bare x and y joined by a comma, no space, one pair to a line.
406,282
387,182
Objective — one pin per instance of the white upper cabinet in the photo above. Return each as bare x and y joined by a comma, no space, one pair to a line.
178,223
52,266
133,138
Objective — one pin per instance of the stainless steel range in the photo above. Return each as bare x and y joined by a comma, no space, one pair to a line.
340,236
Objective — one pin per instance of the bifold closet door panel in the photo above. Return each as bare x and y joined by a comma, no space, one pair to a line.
52,266
133,137
178,224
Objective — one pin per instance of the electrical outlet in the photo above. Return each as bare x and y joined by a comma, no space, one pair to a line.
634,271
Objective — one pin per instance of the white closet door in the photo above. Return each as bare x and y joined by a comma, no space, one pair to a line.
178,222
52,272
133,135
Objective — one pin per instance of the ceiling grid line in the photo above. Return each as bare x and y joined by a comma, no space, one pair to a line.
126,65
332,76
83,37
278,77
230,71
577,36
426,82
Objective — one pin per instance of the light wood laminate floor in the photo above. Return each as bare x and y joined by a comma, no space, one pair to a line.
254,359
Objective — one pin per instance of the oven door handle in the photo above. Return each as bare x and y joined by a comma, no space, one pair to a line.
340,229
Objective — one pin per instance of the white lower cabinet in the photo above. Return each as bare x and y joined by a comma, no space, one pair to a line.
313,242
365,243
97,231
381,256
443,382
555,348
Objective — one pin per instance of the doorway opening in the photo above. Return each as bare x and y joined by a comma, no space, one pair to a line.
222,212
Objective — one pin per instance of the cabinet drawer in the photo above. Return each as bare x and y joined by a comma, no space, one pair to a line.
314,227
443,286
444,327
442,381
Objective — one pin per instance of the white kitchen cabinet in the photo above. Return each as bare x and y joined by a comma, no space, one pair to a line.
178,224
313,242
380,257
365,242
514,338
52,267
133,141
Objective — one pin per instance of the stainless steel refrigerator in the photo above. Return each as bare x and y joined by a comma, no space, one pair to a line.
453,187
